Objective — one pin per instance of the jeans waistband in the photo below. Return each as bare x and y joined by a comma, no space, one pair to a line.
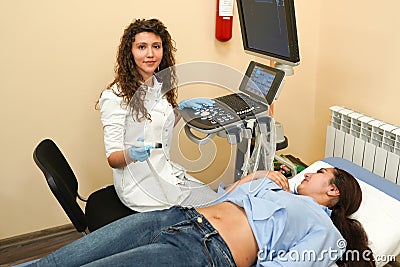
202,222
206,227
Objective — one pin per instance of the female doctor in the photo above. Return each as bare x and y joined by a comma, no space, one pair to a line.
139,109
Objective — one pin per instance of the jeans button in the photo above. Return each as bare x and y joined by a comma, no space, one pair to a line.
199,219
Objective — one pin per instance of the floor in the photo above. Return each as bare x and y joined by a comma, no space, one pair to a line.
24,248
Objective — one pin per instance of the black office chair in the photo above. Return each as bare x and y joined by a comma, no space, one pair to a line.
102,206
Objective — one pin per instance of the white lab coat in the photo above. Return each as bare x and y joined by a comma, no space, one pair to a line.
154,184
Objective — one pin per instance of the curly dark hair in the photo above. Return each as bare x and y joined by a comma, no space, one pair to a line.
127,76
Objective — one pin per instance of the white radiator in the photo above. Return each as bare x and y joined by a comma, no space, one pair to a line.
364,140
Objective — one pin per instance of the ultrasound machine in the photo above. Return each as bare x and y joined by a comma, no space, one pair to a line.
268,30
243,118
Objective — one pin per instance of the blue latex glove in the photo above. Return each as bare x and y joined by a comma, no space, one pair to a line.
140,152
195,103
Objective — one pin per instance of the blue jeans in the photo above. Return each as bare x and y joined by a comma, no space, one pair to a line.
174,237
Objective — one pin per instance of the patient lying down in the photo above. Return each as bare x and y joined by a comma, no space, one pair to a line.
256,221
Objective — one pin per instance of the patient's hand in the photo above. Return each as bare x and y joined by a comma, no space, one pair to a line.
275,176
279,179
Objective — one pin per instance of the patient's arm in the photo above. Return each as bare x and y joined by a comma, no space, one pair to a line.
279,179
275,176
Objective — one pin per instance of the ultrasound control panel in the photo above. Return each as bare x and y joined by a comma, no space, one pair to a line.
228,110
258,89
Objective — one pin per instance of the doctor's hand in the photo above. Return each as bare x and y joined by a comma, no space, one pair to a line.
195,103
140,152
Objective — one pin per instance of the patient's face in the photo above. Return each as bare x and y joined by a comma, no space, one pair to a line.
318,183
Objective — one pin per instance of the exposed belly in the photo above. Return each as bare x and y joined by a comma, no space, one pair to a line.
231,222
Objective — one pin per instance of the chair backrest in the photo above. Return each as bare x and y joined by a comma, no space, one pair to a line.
61,180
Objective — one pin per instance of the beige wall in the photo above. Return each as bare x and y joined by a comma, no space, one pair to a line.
358,59
349,57
56,57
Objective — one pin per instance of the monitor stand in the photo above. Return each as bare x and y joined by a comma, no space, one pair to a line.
289,71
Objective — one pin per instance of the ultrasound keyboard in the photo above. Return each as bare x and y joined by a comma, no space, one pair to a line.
228,109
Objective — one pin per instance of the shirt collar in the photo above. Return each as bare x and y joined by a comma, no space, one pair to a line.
327,210
156,88
324,208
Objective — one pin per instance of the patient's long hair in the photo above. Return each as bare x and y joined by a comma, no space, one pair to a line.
353,232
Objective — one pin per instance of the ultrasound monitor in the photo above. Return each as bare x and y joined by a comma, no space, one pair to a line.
269,30
261,82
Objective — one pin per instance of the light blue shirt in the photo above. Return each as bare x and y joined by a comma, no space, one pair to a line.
290,229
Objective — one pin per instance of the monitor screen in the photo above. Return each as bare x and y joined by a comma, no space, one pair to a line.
269,29
262,82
